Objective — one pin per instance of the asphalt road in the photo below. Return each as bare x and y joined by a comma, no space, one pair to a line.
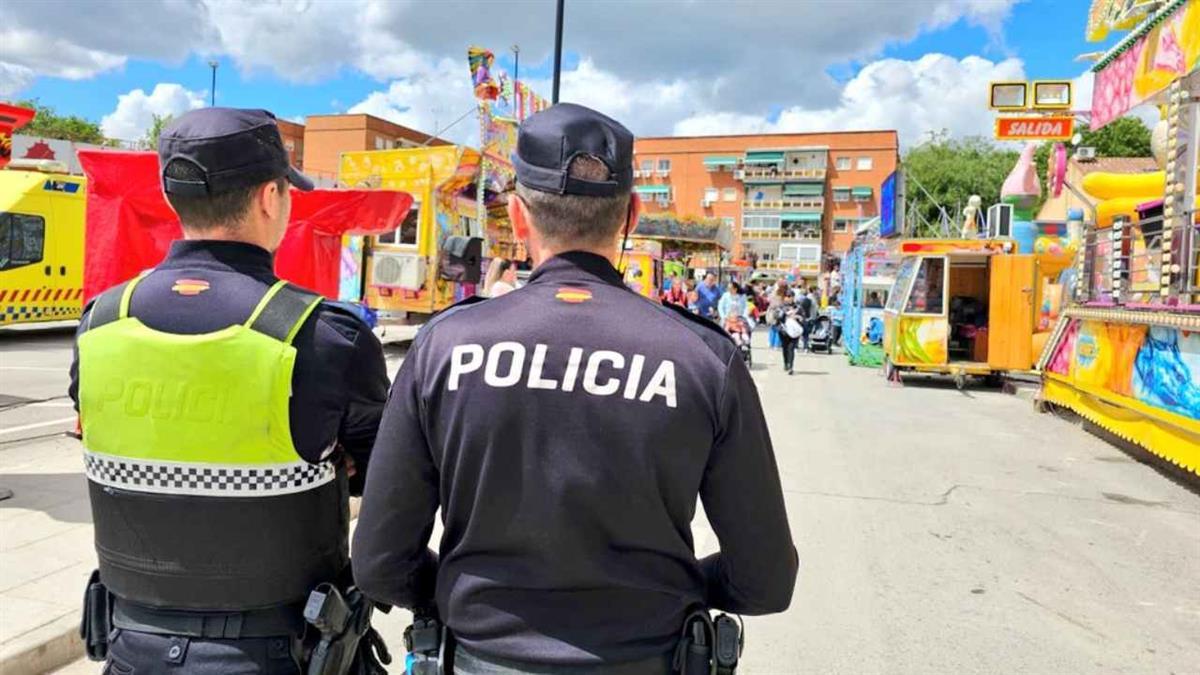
939,531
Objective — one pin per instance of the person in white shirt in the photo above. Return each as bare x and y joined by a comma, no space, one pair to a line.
501,278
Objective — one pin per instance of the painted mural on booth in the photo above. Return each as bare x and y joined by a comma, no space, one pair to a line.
1158,366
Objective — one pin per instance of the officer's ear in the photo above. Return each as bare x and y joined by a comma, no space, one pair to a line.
518,215
635,212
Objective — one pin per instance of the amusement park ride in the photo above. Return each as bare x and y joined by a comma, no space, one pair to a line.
1103,308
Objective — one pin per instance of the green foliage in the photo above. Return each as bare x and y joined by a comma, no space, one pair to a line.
68,128
952,170
156,127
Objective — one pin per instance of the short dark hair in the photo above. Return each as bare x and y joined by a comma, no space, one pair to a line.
206,212
578,218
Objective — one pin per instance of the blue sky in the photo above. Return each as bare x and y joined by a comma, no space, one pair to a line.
659,78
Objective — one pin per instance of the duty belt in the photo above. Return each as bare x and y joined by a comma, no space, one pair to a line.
260,623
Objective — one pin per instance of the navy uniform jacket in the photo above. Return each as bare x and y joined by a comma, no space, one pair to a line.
339,383
565,430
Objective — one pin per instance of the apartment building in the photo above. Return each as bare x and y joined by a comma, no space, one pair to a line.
793,200
326,137
293,141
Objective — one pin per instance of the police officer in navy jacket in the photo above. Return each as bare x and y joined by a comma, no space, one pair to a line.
565,431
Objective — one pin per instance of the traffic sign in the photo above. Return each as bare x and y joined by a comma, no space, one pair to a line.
1035,128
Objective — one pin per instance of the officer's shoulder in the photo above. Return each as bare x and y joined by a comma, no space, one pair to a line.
457,309
716,339
343,317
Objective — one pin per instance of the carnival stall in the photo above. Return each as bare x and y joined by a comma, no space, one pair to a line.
1125,355
130,226
868,273
686,243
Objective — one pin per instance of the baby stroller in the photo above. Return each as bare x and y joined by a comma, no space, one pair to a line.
739,328
821,338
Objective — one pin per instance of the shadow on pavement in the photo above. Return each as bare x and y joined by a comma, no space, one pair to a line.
61,496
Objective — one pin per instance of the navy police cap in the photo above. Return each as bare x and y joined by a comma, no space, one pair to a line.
550,139
232,147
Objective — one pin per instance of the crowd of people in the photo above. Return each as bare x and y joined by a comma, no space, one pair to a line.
788,310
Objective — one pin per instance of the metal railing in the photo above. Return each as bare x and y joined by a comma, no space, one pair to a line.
750,172
810,203
781,234
1144,262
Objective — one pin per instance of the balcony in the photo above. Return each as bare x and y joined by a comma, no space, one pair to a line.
781,234
773,174
813,204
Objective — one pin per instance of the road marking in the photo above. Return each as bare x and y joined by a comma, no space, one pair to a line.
53,404
26,427
46,368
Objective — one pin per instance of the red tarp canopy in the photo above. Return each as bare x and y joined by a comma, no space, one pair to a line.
130,225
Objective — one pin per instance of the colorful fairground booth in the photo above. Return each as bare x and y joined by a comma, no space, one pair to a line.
664,243
868,272
1125,354
458,224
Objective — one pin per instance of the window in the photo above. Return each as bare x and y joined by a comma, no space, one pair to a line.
22,240
664,166
647,166
379,145
761,223
800,252
729,194
711,194
927,296
904,277
406,234
865,163
729,222
841,194
841,224
843,163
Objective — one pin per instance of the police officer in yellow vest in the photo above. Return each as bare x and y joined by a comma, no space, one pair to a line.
226,418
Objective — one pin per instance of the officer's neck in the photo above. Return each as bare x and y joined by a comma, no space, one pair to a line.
232,234
541,254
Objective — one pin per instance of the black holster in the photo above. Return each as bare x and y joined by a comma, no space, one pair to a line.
707,646
348,644
96,622
431,646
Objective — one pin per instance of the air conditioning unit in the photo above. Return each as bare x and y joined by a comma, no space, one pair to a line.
398,270
739,174
999,220
707,202
1085,153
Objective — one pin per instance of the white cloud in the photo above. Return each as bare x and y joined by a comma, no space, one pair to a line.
428,98
933,93
136,110
14,78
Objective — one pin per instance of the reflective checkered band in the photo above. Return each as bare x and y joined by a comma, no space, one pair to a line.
181,478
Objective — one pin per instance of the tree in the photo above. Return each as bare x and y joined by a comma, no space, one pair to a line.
49,124
156,127
951,170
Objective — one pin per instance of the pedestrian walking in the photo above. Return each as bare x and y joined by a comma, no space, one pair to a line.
227,416
709,294
791,329
732,303
567,507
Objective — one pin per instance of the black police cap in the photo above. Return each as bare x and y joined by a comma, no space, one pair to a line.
550,139
232,148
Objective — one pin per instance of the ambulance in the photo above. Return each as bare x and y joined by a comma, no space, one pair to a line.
41,242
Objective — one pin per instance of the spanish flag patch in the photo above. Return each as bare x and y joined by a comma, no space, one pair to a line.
573,295
190,286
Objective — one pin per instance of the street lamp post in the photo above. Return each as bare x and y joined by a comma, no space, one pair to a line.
212,100
516,50
558,27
